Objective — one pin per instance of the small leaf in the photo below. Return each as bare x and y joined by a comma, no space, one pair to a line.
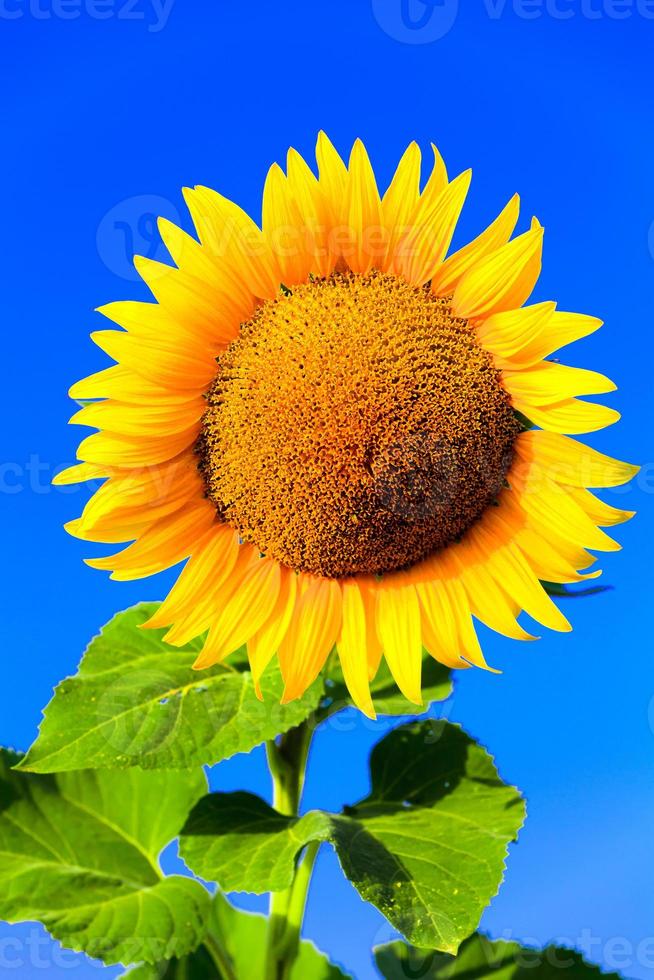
136,701
479,958
78,852
436,686
239,841
523,420
242,936
387,699
565,592
426,847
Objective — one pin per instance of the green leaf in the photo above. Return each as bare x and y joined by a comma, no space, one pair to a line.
426,847
242,936
565,592
523,420
136,701
436,686
78,852
239,841
480,957
387,699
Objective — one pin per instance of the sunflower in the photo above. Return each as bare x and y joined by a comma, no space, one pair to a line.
354,440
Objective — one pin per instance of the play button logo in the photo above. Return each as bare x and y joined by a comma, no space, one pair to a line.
416,21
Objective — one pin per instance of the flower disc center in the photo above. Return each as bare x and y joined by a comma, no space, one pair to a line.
355,426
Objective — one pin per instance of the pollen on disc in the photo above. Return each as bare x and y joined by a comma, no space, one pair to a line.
355,426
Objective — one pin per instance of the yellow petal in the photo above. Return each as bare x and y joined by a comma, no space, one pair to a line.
400,200
246,610
196,618
507,334
200,308
571,462
167,542
497,234
570,416
232,237
600,513
334,179
488,600
315,211
352,647
543,521
112,449
266,641
152,322
143,421
442,568
502,280
553,505
368,589
423,248
436,183
284,230
212,561
150,492
113,535
311,635
468,642
208,272
125,385
398,627
510,568
550,558
368,242
163,364
548,563
439,629
80,473
549,382
563,328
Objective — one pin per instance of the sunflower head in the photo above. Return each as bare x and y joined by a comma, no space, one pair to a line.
355,427
354,439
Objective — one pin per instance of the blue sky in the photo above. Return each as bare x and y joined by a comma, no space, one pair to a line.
109,109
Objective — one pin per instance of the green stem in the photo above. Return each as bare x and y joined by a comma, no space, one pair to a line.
298,901
220,956
287,760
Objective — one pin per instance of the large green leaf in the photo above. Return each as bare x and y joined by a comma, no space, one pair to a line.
480,958
136,701
427,846
242,937
78,852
